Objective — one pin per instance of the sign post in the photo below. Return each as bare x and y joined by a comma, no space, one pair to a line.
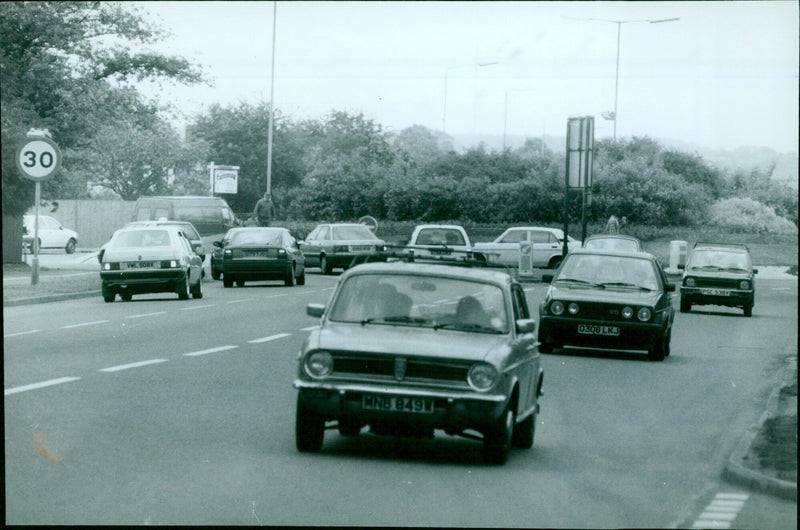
224,179
38,158
579,167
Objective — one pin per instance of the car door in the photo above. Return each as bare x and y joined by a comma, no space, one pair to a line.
310,247
195,263
545,246
526,356
507,246
291,245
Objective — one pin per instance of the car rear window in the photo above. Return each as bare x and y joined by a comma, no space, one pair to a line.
258,237
141,238
440,236
352,232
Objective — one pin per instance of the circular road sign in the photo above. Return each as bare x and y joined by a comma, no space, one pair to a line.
38,158
370,221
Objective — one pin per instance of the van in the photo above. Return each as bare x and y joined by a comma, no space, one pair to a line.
209,215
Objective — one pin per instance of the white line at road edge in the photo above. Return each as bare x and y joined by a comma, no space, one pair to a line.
196,307
132,365
271,337
210,350
22,333
85,324
39,385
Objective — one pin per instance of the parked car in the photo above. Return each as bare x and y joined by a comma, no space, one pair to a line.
547,246
332,245
147,259
408,348
438,240
608,299
51,233
613,242
260,253
719,274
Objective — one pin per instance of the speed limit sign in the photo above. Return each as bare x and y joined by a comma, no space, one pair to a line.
38,158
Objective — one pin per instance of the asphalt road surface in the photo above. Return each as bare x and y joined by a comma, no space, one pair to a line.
160,411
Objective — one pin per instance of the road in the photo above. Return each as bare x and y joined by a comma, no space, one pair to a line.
160,411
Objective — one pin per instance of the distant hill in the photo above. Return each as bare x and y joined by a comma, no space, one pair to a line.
746,158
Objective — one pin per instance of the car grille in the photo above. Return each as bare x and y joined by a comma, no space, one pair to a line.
601,311
728,283
381,368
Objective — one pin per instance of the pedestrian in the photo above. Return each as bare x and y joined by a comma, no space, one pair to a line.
612,226
264,210
622,223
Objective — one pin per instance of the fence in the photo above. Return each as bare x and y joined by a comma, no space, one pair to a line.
94,220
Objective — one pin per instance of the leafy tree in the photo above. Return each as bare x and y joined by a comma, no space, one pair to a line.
693,169
420,144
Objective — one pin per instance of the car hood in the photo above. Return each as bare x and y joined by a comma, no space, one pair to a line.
730,275
139,253
610,295
406,340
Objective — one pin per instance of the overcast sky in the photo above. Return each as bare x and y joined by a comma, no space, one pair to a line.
724,75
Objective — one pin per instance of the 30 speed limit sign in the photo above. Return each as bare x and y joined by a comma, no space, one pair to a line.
38,158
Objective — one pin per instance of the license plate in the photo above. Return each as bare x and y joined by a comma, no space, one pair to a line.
440,252
598,330
716,292
397,404
360,248
141,264
256,253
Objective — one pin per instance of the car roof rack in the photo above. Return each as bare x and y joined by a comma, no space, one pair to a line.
454,257
713,244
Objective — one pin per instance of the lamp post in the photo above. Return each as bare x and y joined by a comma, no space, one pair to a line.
271,100
505,112
444,106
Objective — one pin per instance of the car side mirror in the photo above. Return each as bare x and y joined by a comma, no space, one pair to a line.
547,278
315,310
526,325
670,287
218,244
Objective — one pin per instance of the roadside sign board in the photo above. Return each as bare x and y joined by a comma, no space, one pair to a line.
580,149
224,179
38,158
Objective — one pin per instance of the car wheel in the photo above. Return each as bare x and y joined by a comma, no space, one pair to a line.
554,262
545,347
349,429
289,279
301,280
309,428
667,341
227,280
215,274
656,353
109,297
686,305
70,248
497,438
324,265
239,283
197,291
748,310
126,296
183,290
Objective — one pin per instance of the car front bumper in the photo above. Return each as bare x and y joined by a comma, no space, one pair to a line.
151,281
632,335
720,296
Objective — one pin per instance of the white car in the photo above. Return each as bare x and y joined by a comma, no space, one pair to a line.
547,246
51,233
438,240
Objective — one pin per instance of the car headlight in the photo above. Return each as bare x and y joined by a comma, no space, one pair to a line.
744,285
319,364
644,314
689,282
557,308
627,312
573,308
482,376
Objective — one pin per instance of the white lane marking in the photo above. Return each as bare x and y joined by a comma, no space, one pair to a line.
142,315
196,307
722,511
22,333
240,300
210,350
309,328
85,324
781,289
271,337
39,385
132,365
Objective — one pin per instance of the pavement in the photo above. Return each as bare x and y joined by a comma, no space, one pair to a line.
736,469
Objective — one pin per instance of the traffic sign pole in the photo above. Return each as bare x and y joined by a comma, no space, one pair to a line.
35,243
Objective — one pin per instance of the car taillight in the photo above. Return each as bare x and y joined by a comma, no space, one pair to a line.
169,264
281,253
113,266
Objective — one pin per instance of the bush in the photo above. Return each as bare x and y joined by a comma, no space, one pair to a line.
746,215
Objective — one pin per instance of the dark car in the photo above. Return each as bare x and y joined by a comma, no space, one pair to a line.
407,348
610,300
613,242
719,274
332,245
260,253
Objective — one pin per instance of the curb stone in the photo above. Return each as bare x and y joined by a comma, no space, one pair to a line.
737,473
50,298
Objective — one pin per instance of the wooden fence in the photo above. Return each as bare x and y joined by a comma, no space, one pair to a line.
94,220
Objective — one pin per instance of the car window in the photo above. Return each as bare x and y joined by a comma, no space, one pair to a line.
190,232
426,301
141,238
719,258
539,236
272,237
143,214
520,304
324,233
440,236
352,232
313,235
514,236
161,213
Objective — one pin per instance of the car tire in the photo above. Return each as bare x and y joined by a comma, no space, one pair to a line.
324,266
524,433
667,342
497,438
545,347
349,429
183,290
656,353
554,262
289,280
301,280
686,305
227,280
197,290
126,296
108,298
239,283
309,428
215,274
748,310
70,248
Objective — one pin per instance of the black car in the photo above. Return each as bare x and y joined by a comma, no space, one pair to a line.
719,274
608,299
260,253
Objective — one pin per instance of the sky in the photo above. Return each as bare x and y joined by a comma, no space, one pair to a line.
722,76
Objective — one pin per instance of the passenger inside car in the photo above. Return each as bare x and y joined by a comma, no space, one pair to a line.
470,312
390,303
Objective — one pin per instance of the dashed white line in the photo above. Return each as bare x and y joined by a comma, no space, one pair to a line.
196,307
84,324
43,384
722,511
22,333
142,315
271,337
238,301
309,328
210,350
132,365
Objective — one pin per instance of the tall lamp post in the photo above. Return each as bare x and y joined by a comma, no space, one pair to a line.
271,100
505,111
444,106
619,24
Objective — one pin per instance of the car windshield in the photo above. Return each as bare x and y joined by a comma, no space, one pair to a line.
141,238
424,301
612,243
714,259
257,237
601,271
440,236
352,232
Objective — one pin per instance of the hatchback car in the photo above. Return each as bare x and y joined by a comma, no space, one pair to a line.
613,242
140,260
547,243
608,299
407,348
438,240
188,229
260,253
719,274
332,245
51,233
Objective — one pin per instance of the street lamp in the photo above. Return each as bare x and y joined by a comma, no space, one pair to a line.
271,99
444,106
619,24
505,112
